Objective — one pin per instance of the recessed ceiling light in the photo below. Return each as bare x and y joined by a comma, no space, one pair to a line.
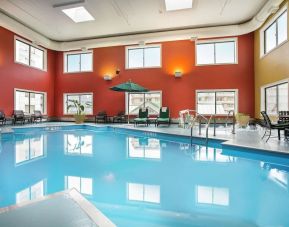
172,5
78,14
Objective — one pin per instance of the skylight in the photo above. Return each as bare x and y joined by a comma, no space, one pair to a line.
172,5
78,14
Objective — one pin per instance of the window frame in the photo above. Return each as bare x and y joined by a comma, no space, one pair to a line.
271,22
31,44
127,48
263,93
216,91
65,61
149,92
44,111
215,41
75,94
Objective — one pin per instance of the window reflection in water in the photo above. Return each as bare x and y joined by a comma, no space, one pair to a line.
29,149
148,148
79,145
210,154
143,193
33,192
279,176
212,195
81,184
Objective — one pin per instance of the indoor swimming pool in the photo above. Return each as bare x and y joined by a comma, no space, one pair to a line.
142,179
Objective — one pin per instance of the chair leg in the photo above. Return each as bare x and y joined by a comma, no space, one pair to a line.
264,134
279,137
269,136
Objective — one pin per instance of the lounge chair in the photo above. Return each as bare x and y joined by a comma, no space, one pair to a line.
2,117
283,117
101,117
142,117
119,118
18,115
269,126
164,117
37,116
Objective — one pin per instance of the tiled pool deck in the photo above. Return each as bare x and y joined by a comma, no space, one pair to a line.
246,138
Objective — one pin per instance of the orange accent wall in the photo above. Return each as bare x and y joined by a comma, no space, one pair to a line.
177,93
14,75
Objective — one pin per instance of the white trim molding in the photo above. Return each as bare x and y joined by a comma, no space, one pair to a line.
32,91
219,90
213,41
184,34
266,26
76,94
32,45
262,91
65,54
127,48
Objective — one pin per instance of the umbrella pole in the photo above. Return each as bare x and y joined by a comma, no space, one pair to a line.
128,108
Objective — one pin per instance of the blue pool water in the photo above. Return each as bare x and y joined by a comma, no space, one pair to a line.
144,179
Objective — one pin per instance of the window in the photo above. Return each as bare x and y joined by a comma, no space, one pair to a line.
29,101
143,57
212,195
78,62
216,52
151,100
276,32
276,98
78,144
28,54
217,102
33,192
85,99
81,184
143,193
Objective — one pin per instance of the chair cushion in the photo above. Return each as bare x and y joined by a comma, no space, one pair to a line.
163,119
140,119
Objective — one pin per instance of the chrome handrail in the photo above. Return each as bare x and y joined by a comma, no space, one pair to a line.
234,120
198,116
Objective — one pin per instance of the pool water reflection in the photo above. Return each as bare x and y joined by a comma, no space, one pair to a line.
147,181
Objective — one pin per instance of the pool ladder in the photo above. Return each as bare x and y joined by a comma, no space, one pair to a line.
199,117
232,114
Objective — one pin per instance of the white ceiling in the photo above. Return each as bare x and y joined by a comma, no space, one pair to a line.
119,17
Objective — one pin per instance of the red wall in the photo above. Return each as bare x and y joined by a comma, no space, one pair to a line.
14,75
177,93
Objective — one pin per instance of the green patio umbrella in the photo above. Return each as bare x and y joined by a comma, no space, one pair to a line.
128,87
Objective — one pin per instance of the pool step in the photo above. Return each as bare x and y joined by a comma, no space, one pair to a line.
66,209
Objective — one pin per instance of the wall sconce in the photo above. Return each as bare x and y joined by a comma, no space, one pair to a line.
178,74
117,72
107,77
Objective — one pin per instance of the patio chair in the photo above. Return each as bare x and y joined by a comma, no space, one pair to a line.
119,118
283,117
164,117
2,117
37,116
18,115
269,126
142,117
101,117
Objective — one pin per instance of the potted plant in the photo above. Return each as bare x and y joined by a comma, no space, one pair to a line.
79,116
